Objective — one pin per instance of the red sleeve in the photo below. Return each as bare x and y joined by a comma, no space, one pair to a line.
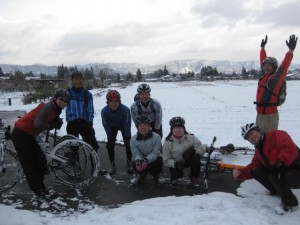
263,55
246,173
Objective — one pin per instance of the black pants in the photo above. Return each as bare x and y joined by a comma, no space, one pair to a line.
193,162
289,179
154,168
85,130
31,157
111,145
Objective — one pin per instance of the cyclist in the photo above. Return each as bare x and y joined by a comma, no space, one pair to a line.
275,164
146,151
116,117
44,117
147,105
182,150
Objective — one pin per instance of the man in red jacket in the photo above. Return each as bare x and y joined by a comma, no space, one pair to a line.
275,164
269,85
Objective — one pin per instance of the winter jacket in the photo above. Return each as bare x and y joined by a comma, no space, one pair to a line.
278,146
265,100
117,120
153,109
148,147
38,119
173,148
80,106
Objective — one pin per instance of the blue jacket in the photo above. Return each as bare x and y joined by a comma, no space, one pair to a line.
118,120
80,106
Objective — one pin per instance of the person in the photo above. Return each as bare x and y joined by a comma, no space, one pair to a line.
80,112
275,164
116,117
146,151
269,85
44,117
147,105
182,150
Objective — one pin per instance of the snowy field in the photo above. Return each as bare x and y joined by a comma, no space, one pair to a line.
210,109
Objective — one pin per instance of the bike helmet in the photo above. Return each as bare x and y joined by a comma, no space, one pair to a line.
177,122
143,118
62,93
272,61
113,95
143,88
76,74
247,128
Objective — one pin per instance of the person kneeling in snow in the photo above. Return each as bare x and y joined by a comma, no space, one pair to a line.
275,164
182,150
146,151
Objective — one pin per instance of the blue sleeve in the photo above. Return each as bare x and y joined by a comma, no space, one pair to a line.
90,107
105,121
127,122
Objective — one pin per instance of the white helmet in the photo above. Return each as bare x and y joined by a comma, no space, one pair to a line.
248,127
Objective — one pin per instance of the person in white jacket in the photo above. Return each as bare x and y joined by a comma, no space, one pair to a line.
182,150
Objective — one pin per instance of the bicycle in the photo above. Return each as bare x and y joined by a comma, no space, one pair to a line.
73,162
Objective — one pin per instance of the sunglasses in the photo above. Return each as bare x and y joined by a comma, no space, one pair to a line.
63,100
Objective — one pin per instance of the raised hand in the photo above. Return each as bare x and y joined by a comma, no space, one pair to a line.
292,42
264,42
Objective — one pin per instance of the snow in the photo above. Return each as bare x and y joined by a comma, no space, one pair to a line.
210,109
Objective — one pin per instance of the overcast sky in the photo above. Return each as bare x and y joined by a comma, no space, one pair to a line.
150,32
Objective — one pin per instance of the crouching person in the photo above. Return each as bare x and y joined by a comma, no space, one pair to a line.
146,151
275,164
182,150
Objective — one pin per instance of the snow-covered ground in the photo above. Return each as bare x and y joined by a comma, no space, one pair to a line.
210,109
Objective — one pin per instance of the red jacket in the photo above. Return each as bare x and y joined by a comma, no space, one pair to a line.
25,123
278,146
276,80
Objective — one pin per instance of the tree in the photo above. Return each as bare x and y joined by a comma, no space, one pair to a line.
165,72
139,76
1,72
102,75
129,77
244,72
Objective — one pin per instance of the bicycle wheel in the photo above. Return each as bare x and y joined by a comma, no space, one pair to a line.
75,168
11,170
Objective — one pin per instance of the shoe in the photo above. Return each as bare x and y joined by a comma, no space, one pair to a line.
174,183
159,181
129,167
112,169
195,182
102,172
289,208
138,179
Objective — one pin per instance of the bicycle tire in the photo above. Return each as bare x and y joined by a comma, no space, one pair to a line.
91,164
12,172
71,170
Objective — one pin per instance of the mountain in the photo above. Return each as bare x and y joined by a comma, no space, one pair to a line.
176,66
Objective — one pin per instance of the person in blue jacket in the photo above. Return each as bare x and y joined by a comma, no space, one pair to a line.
116,117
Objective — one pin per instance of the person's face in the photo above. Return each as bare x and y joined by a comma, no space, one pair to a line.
77,82
61,102
178,131
144,97
143,128
253,137
268,68
113,105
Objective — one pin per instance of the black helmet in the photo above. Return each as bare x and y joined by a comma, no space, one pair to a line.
76,74
247,128
143,88
177,122
62,93
272,61
143,118
113,95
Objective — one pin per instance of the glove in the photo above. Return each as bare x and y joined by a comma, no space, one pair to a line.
145,164
138,165
264,42
187,155
292,42
57,123
179,166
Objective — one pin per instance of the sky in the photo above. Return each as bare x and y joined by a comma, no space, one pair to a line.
210,109
53,32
